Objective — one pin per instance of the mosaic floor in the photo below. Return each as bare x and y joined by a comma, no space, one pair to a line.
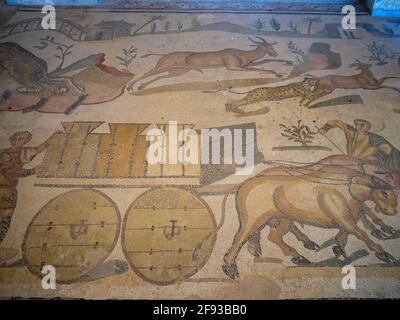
309,186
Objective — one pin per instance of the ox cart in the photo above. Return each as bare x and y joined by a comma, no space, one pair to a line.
162,229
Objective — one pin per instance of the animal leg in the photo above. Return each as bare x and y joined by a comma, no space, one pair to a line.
30,89
371,226
172,73
234,64
257,63
335,206
300,236
377,87
61,86
241,237
391,88
372,245
341,241
254,69
279,228
263,110
230,266
382,80
318,93
235,107
253,245
146,75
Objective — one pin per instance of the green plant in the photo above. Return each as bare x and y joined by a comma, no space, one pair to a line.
301,56
259,25
299,133
179,24
128,55
195,23
379,53
294,49
388,30
63,49
275,24
292,26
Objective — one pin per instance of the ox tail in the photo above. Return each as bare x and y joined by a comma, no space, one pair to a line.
196,251
152,54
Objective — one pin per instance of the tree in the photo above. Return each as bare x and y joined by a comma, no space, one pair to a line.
258,25
310,21
275,24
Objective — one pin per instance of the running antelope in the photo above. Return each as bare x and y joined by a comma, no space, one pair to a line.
181,62
365,79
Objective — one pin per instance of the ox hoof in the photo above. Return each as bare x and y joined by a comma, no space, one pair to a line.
254,250
385,257
231,271
300,260
339,251
388,229
62,90
378,234
311,245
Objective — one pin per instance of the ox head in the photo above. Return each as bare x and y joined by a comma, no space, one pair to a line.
366,187
266,46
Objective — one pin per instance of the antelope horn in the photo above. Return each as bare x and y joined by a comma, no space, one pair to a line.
265,41
252,40
262,39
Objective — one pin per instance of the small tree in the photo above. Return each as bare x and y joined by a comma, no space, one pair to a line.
275,24
310,22
179,24
195,23
379,54
259,25
301,133
127,57
292,26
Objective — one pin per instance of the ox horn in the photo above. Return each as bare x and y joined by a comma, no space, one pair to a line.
378,185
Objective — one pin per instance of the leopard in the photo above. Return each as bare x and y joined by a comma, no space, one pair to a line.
303,89
30,71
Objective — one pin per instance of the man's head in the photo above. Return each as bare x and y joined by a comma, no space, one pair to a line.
20,138
363,126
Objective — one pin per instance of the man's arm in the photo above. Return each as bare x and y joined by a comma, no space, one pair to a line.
335,124
45,144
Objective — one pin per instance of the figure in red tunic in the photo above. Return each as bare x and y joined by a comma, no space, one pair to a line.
12,162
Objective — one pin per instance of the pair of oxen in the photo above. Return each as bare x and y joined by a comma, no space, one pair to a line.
334,193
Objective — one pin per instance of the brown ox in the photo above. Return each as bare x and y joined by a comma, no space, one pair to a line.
316,200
